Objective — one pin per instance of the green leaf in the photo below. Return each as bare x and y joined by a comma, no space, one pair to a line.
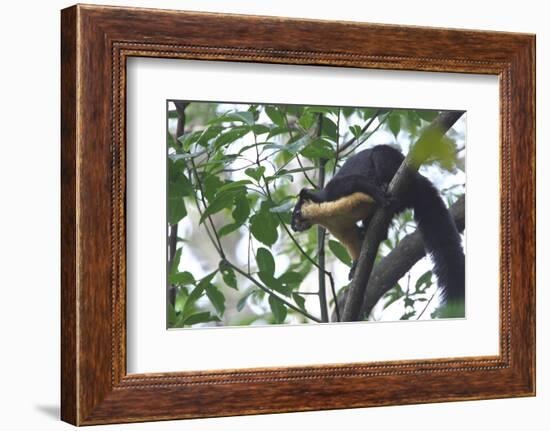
294,171
275,115
181,299
273,146
300,301
277,131
266,270
298,144
318,149
393,295
219,203
289,281
178,187
329,129
176,261
282,208
216,298
172,143
188,139
271,282
260,129
232,135
424,279
409,302
413,122
207,279
186,156
408,315
368,113
242,301
263,226
278,308
255,173
182,278
265,261
172,316
394,123
348,112
291,277
211,185
427,115
208,134
279,177
228,275
340,252
176,210
307,119
322,110
228,228
242,209
285,218
231,185
355,130
202,317
436,147
195,294
242,117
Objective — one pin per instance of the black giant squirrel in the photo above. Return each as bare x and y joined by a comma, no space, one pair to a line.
359,187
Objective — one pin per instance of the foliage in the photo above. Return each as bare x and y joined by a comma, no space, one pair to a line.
233,178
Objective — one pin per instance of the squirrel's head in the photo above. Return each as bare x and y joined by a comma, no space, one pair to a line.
299,222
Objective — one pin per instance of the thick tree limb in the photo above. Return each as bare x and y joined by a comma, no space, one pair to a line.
400,260
378,227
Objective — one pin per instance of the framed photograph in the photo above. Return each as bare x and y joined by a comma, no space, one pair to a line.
280,207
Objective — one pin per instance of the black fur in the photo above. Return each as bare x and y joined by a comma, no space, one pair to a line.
370,171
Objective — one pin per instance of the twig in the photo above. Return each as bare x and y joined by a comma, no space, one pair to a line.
219,247
337,143
173,235
366,138
272,293
197,204
321,232
309,180
306,176
427,304
350,142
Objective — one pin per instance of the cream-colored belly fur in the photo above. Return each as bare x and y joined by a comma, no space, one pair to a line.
340,218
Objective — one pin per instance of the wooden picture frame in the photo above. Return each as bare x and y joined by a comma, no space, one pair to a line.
95,43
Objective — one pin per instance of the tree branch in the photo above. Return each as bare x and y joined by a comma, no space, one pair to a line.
272,293
349,143
378,227
400,260
173,235
321,236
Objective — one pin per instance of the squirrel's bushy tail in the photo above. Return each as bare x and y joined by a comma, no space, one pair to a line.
441,239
